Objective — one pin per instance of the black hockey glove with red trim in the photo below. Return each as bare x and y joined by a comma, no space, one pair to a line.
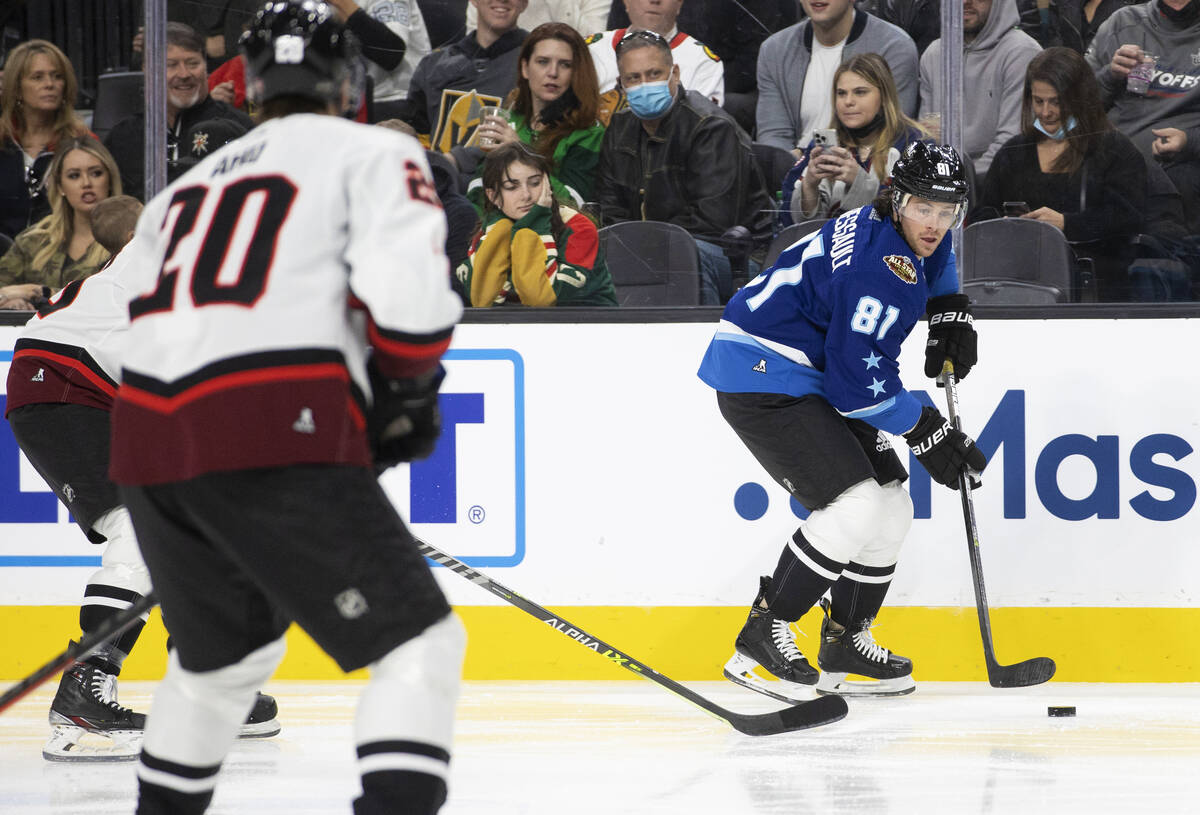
944,451
951,336
404,422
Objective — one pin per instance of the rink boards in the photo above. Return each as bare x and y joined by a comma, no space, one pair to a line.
588,468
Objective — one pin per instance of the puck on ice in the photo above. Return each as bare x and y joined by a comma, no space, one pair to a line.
1060,711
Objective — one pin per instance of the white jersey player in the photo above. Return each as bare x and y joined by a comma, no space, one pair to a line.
294,307
61,386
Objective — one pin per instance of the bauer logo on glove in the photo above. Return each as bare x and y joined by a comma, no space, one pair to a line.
951,335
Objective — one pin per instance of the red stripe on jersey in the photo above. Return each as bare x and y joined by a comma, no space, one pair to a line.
241,379
87,373
399,359
584,243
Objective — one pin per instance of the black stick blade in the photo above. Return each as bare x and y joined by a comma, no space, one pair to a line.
814,713
1030,672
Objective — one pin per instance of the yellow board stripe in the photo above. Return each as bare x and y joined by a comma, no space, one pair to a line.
693,643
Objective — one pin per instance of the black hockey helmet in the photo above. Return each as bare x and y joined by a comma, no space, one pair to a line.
298,48
930,171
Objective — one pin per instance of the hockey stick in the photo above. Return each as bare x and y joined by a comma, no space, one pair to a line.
819,711
77,651
1032,671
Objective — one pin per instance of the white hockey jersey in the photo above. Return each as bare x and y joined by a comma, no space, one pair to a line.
71,351
699,68
266,271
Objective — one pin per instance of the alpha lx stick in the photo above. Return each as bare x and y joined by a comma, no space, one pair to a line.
813,713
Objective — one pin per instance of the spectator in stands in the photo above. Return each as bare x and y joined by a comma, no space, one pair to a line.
60,247
553,110
1164,122
393,39
461,217
188,102
531,249
218,22
674,156
37,112
585,16
700,69
113,221
451,84
1072,168
1070,23
796,67
995,56
872,132
920,19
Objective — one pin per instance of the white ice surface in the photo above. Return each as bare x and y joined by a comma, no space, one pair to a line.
536,748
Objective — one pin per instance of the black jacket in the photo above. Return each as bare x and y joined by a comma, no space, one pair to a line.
127,141
697,171
1064,22
1103,201
22,202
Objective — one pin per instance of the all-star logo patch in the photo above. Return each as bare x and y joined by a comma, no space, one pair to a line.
902,268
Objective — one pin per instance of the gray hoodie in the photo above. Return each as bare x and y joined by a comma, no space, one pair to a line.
993,79
783,61
1174,96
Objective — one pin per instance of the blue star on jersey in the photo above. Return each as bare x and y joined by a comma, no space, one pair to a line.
829,319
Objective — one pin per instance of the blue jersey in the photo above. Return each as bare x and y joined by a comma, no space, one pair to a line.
829,319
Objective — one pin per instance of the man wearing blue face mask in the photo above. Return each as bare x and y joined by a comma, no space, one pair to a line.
676,157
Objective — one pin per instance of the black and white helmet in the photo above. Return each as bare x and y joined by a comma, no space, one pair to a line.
930,171
298,48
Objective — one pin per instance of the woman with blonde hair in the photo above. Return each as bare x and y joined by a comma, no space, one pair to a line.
60,248
553,111
872,131
37,113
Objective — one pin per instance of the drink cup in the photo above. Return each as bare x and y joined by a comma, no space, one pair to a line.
1141,75
933,123
491,111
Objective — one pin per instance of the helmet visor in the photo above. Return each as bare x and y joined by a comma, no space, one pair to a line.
931,213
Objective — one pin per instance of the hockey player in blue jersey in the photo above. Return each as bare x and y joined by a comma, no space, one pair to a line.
805,362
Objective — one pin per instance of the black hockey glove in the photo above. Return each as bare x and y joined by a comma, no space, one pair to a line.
944,451
951,336
404,422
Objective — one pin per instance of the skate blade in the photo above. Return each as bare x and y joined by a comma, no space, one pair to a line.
833,683
740,671
71,743
260,730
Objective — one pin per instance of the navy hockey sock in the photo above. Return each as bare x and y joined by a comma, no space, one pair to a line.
859,593
801,577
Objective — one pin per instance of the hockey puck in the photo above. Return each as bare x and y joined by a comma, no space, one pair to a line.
1060,711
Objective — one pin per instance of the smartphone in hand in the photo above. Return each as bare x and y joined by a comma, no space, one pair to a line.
1015,209
825,137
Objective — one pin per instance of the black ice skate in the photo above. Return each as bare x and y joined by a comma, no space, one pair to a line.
87,723
853,650
261,723
767,641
